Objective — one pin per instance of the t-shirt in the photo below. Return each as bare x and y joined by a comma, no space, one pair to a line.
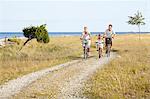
86,36
99,41
109,34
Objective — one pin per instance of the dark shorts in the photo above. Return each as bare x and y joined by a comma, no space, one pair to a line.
108,41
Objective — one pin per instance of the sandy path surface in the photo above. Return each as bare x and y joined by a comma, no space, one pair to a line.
15,86
60,83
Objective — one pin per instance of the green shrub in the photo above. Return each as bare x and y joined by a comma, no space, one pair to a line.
15,40
42,34
29,32
39,33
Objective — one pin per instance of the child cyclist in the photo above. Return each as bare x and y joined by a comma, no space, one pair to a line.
99,43
86,39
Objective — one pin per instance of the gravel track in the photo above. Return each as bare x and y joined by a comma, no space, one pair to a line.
56,82
15,86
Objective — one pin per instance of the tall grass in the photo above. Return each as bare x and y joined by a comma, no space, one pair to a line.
125,77
35,56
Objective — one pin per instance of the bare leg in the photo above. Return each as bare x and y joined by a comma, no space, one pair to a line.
88,50
101,52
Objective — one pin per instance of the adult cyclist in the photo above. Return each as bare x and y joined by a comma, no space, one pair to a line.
108,35
86,36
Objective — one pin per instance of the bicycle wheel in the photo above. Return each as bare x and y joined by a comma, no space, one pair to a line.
108,50
100,52
85,53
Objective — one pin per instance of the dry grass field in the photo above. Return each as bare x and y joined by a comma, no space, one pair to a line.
35,56
127,76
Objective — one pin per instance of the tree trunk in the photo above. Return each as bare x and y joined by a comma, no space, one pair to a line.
139,32
25,43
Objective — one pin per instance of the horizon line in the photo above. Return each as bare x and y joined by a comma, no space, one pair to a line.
81,31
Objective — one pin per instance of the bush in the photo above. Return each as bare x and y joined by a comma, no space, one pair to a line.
15,40
29,32
40,33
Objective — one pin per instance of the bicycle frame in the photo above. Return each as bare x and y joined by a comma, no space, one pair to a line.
85,51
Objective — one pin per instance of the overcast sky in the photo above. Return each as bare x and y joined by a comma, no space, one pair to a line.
71,16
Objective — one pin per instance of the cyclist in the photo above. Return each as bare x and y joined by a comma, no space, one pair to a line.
86,38
108,35
99,42
99,45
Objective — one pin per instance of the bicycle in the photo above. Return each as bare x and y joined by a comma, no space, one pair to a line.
99,47
85,49
108,49
108,46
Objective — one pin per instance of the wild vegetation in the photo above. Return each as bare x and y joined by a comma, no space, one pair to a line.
127,76
137,20
36,56
39,33
15,40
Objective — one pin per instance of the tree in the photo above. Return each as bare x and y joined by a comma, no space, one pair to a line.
138,20
39,33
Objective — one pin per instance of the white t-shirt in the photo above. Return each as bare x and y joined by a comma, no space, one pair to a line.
109,34
86,36
99,43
